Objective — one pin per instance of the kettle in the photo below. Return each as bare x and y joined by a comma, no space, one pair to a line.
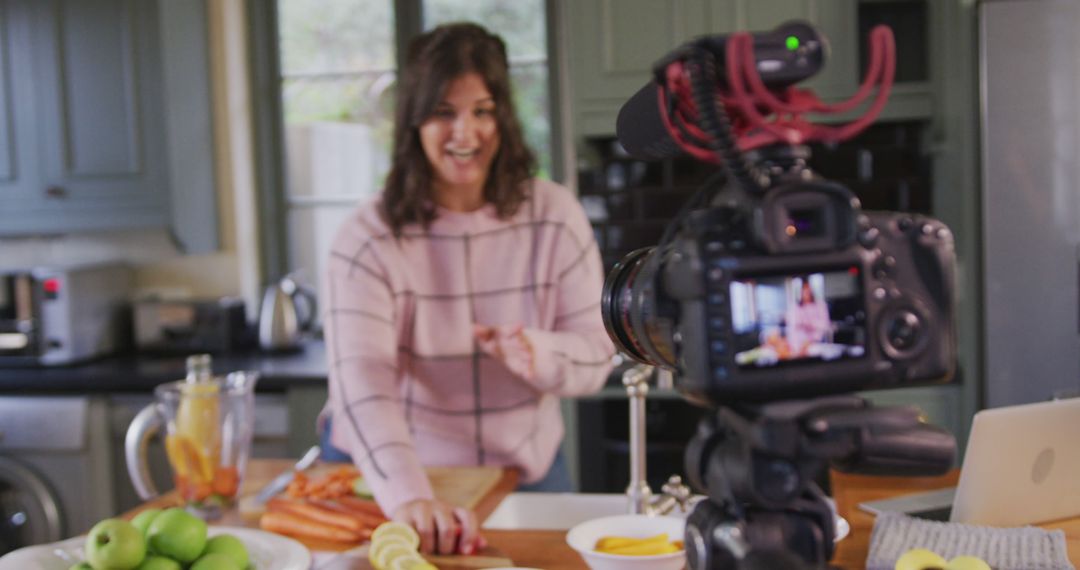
288,310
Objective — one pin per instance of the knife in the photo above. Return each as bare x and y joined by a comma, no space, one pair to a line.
281,481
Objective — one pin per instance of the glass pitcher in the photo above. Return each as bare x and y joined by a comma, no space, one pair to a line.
209,421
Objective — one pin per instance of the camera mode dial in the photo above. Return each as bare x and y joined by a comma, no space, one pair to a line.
903,332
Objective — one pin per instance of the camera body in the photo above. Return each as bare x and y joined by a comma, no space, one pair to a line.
772,294
791,293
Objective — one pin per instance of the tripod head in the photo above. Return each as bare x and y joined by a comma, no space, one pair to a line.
757,466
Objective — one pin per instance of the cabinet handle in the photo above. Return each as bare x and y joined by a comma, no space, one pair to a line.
56,192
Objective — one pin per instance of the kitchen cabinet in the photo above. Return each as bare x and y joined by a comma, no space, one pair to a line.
16,121
55,478
612,46
105,119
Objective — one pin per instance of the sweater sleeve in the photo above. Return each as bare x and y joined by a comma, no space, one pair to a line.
575,356
360,327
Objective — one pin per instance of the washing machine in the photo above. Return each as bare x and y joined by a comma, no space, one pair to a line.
55,458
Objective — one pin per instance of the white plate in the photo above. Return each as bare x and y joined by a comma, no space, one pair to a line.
268,551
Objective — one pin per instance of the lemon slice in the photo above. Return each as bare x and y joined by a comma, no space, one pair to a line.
389,554
411,563
385,542
176,451
394,528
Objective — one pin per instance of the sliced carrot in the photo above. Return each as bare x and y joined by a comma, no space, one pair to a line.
226,481
362,505
366,517
316,513
182,485
298,526
199,491
297,486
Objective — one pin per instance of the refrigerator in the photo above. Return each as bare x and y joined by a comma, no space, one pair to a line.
1030,144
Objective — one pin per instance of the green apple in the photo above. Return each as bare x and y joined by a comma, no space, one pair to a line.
115,544
230,545
216,561
177,534
159,563
81,566
143,519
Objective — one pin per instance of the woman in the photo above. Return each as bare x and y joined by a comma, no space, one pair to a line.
464,301
807,321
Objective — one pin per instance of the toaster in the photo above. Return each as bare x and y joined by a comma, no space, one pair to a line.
186,326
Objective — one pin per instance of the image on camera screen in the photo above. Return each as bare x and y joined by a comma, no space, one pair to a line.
792,319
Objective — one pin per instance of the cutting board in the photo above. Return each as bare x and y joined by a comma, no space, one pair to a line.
477,488
356,559
458,486
463,486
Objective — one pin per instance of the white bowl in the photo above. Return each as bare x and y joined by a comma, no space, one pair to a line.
583,537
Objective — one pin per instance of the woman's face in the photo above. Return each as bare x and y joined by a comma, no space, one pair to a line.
461,136
807,293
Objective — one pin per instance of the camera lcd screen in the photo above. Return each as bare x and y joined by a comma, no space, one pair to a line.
794,319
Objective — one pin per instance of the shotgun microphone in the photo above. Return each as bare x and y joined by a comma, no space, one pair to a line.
640,129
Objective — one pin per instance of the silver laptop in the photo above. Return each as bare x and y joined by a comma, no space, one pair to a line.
1022,466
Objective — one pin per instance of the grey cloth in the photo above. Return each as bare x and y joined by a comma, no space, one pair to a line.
1022,548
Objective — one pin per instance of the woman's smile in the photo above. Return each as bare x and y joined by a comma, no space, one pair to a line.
460,140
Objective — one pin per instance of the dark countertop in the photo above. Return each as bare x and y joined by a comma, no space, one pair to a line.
140,373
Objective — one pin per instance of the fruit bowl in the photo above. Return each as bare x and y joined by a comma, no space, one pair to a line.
584,536
268,552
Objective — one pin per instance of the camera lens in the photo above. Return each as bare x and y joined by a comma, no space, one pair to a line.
616,300
629,307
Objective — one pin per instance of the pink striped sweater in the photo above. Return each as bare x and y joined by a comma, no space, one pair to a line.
409,385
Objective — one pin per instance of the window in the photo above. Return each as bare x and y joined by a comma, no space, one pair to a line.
337,73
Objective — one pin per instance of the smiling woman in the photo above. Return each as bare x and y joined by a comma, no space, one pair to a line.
455,105
464,301
336,71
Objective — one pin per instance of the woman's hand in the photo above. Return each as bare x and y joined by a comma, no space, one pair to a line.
509,345
443,529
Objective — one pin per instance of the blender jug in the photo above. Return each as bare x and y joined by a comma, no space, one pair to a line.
208,425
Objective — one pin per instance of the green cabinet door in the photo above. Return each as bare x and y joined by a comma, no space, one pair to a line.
611,48
17,132
613,44
105,118
97,86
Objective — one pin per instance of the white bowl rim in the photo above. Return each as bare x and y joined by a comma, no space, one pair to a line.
607,556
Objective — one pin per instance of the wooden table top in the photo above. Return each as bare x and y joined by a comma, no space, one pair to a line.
548,548
850,490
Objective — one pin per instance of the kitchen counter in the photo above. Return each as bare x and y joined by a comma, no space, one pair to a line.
135,372
140,373
539,549
548,548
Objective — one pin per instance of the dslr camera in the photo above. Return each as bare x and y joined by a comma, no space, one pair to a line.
772,292
779,286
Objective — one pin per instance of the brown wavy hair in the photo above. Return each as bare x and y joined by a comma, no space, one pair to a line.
434,60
